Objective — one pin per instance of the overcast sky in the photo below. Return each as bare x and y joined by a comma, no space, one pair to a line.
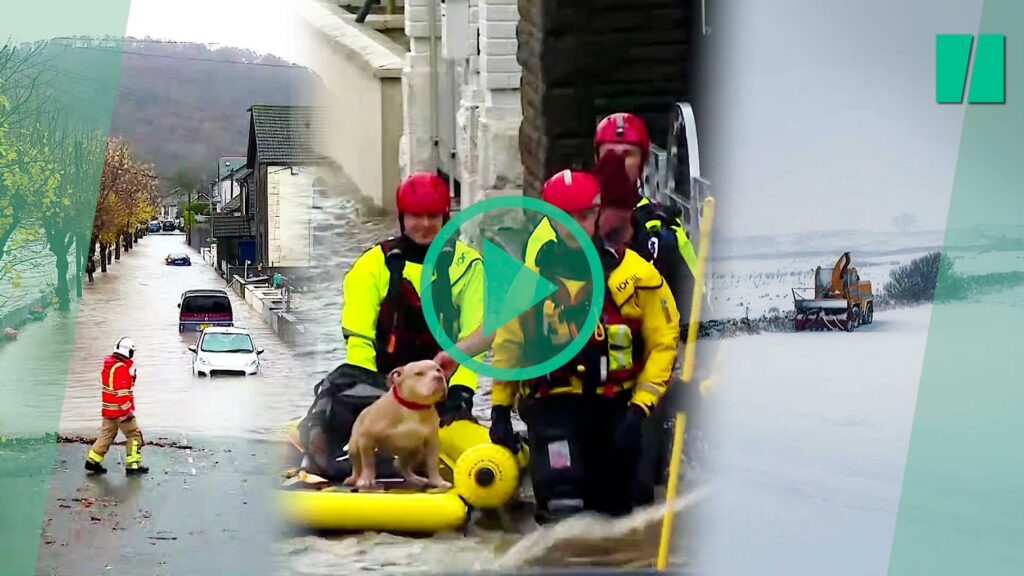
263,26
827,116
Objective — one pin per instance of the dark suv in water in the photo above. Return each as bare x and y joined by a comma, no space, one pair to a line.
200,309
168,225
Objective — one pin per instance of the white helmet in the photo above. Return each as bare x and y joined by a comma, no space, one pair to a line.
125,347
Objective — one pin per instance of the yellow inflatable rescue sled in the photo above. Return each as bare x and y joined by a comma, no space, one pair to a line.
484,476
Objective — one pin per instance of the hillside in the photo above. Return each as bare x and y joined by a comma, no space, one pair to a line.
183,105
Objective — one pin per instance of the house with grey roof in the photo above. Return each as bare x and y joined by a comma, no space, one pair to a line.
271,220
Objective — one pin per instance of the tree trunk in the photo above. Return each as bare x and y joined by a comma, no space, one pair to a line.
110,256
82,248
63,297
79,266
103,258
117,249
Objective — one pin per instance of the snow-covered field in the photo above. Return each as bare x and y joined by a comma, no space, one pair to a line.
808,437
808,432
755,287
752,276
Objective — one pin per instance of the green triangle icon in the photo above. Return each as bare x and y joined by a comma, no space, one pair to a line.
510,288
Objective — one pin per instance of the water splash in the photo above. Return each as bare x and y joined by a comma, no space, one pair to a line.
592,540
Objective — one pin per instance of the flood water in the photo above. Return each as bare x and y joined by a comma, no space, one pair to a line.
138,299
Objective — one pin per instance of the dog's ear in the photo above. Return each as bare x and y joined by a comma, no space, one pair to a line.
394,376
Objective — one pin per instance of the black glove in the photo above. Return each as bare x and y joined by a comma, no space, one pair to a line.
458,405
502,433
629,433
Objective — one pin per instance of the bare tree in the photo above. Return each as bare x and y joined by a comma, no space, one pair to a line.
905,221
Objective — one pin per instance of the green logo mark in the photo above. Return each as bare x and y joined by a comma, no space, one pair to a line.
953,61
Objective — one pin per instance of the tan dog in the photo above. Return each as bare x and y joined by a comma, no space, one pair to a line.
402,422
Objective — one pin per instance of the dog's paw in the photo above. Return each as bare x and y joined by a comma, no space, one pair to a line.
439,483
416,481
366,484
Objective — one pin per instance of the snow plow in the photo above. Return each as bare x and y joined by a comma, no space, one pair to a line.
841,301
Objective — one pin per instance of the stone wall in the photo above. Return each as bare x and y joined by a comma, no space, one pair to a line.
488,109
584,59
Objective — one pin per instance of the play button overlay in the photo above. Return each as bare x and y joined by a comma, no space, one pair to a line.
512,289
509,288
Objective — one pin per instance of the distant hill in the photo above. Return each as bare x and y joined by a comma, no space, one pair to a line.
183,105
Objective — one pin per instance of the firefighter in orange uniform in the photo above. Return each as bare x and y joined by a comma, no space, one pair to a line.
118,411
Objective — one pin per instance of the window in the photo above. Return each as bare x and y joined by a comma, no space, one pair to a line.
219,342
206,305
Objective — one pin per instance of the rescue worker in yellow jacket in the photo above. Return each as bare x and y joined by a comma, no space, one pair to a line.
658,233
659,237
584,419
384,326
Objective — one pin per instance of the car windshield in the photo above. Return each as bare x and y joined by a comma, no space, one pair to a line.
206,304
176,256
219,342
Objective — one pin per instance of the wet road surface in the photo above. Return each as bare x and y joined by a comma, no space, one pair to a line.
201,510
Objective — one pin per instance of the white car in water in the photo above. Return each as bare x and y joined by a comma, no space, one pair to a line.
225,350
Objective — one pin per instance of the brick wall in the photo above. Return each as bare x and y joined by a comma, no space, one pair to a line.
583,59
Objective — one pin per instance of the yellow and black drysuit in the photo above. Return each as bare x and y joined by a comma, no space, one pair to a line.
384,328
658,237
584,418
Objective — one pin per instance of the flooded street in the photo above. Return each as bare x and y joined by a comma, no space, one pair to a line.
139,298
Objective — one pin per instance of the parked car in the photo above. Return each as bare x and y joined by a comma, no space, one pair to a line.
168,226
225,351
178,259
201,309
154,226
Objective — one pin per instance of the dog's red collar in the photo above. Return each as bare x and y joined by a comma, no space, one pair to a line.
408,403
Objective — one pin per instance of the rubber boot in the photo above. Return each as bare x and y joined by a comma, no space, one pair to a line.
133,458
95,467
136,470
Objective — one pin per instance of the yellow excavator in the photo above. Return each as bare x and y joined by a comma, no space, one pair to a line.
842,301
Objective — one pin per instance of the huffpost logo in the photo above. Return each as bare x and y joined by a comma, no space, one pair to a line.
953,62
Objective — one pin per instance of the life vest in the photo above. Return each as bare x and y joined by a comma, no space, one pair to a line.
613,356
402,332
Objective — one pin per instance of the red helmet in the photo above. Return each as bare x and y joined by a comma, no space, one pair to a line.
423,193
622,128
572,191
